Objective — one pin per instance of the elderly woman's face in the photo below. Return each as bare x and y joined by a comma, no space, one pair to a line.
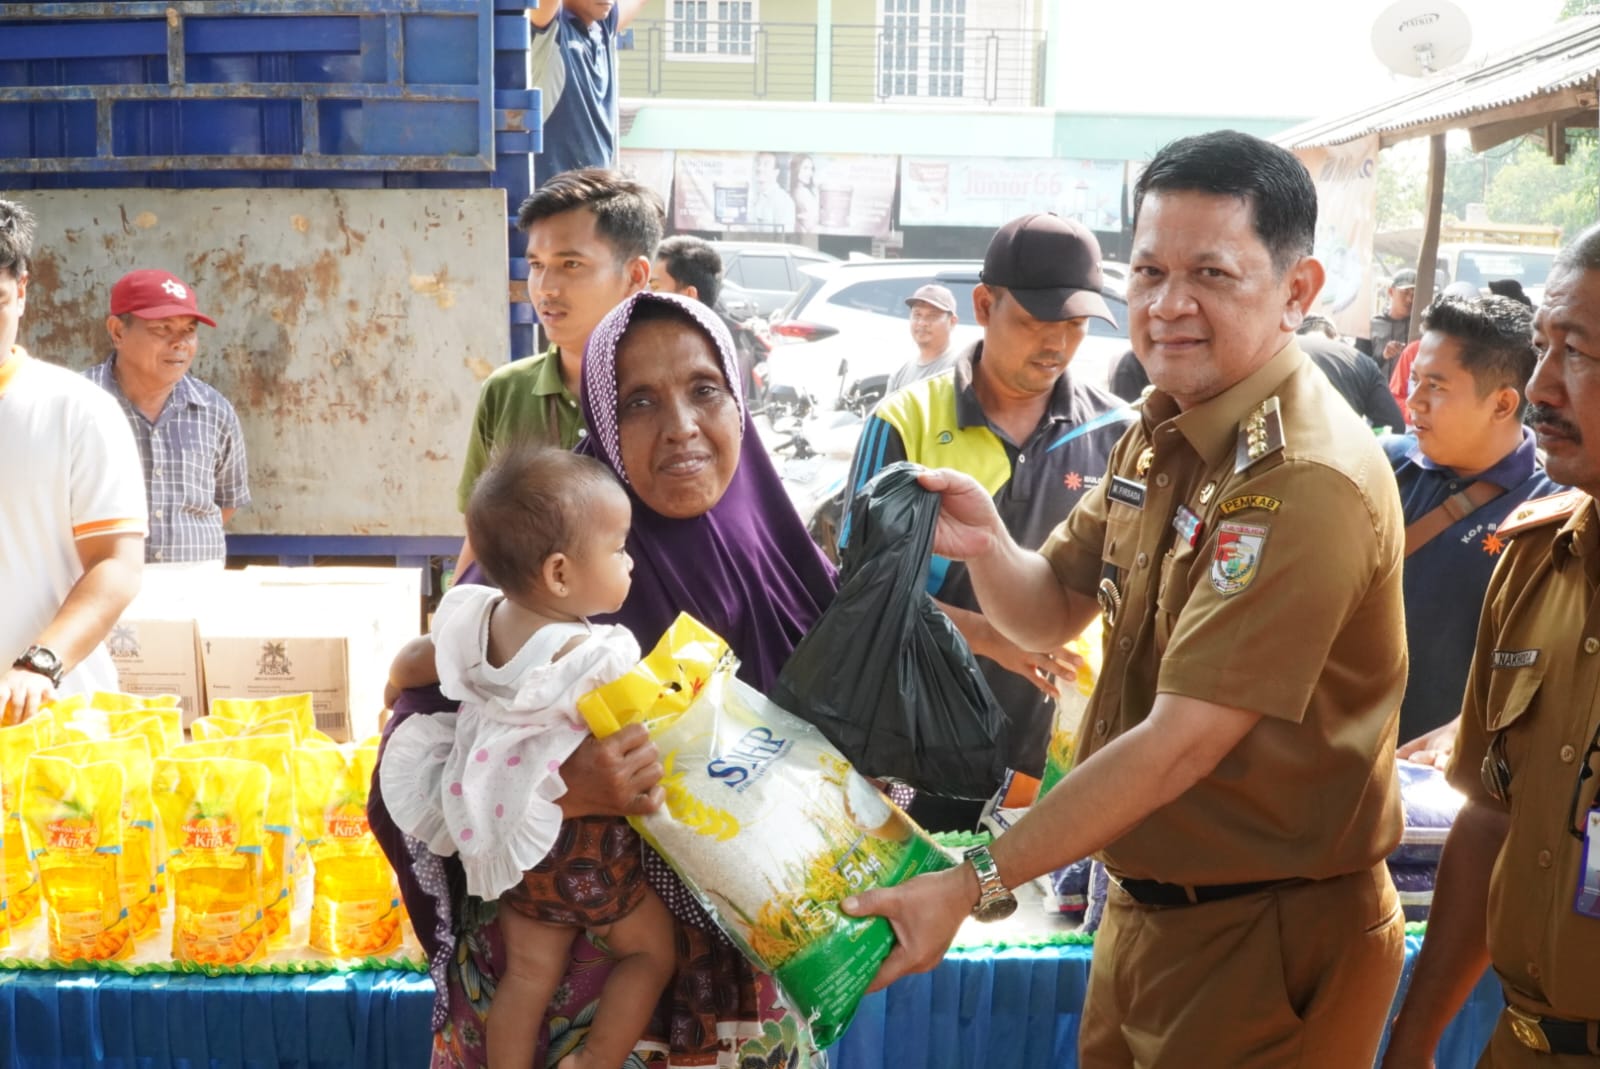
677,420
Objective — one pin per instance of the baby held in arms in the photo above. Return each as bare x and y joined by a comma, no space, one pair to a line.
549,529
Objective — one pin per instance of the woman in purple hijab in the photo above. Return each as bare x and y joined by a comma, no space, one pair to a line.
714,535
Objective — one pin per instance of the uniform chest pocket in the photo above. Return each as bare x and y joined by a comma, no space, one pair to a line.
1511,695
1122,539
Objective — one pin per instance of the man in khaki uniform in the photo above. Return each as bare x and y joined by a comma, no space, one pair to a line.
1236,763
1519,882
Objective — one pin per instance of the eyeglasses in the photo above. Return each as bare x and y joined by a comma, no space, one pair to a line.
1585,773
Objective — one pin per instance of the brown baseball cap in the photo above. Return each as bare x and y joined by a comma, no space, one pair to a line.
1050,264
935,295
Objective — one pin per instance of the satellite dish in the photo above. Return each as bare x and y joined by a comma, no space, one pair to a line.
1417,38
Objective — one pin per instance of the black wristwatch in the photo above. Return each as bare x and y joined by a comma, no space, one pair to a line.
41,660
995,902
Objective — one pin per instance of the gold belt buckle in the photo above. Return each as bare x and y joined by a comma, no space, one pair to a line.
1525,1027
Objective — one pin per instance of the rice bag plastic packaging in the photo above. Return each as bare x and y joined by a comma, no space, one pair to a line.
138,859
355,905
766,822
19,877
1067,728
276,753
212,812
72,815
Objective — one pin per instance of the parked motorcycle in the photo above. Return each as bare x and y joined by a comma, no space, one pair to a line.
751,340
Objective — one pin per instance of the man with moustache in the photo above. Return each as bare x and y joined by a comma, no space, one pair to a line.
933,318
1236,767
1519,881
1012,415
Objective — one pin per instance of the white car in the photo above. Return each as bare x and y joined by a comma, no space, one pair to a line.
848,328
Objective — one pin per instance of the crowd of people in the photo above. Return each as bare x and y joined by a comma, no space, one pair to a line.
1289,604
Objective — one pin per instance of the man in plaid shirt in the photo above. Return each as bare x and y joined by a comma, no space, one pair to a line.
190,444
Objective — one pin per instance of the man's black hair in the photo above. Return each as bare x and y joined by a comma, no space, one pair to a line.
1282,198
1496,338
693,261
16,239
628,216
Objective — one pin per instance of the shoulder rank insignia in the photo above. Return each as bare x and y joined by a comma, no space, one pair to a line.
1540,511
1260,433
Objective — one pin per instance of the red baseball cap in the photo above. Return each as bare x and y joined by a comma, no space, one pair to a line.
151,294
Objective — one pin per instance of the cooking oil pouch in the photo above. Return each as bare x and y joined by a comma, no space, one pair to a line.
276,752
291,708
766,822
72,817
140,856
213,814
355,905
19,877
168,730
1067,727
112,701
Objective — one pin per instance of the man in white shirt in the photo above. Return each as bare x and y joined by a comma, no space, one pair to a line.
72,510
933,318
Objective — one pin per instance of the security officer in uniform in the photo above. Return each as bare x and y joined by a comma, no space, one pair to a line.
1236,767
1519,882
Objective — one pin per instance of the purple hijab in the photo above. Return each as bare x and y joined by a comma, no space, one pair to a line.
747,569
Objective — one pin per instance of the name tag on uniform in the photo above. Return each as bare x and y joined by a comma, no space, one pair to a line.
1513,658
1126,491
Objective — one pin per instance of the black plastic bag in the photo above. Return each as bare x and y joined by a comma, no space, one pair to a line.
884,674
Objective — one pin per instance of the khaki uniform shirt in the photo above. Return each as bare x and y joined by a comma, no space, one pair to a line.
1286,601
1533,707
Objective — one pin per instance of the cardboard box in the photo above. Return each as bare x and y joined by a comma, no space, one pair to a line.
238,666
330,631
159,657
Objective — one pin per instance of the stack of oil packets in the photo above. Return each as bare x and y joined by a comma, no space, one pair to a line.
123,846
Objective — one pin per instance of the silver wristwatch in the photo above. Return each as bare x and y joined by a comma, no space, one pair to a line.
994,901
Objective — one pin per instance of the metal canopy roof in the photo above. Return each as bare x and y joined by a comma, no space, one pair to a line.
1551,79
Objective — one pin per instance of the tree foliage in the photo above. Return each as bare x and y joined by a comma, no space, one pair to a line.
1518,183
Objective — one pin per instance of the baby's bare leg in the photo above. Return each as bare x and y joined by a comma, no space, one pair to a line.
537,955
645,952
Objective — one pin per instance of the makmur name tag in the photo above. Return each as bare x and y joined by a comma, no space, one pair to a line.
1513,658
1126,491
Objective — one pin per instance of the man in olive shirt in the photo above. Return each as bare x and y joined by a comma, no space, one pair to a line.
1236,764
1519,881
592,235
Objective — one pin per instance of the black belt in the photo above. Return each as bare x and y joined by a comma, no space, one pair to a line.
1156,893
1549,1035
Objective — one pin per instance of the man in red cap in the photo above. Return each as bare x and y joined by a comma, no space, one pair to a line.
190,443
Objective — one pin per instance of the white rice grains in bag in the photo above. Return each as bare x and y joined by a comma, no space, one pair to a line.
766,822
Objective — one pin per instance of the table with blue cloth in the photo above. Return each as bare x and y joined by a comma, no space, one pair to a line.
983,1007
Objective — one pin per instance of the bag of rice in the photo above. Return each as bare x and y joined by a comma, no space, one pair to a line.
766,822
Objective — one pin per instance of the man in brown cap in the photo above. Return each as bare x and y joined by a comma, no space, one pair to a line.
933,317
1235,767
1519,882
1037,438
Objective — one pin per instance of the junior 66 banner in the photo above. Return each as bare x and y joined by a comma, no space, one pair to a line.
784,193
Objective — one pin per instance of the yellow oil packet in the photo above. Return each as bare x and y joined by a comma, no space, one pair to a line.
138,860
276,752
206,728
355,908
213,814
72,816
19,877
112,701
167,733
1067,729
292,708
